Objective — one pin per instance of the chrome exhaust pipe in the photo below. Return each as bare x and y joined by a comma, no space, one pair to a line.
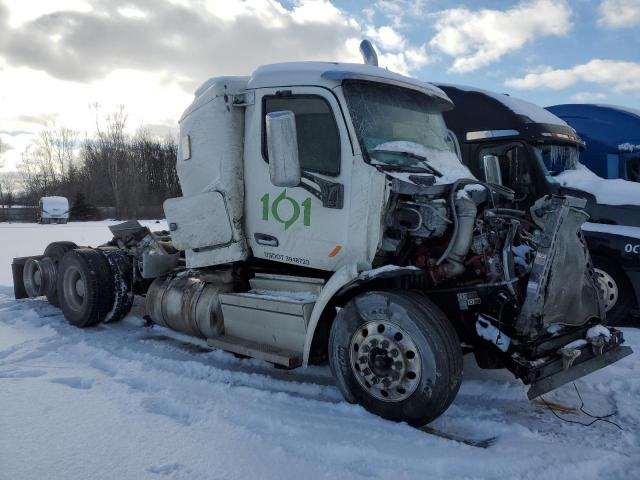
368,53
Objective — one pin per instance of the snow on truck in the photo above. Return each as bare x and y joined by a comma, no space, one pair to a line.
325,215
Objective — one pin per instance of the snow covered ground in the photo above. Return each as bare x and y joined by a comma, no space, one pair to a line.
128,402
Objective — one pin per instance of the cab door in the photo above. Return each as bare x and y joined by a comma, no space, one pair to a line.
307,225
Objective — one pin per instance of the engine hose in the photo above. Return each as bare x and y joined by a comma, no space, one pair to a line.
452,198
454,214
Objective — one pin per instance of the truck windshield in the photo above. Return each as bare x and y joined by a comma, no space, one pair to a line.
558,158
395,125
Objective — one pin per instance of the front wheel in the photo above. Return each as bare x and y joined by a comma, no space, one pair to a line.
397,355
617,291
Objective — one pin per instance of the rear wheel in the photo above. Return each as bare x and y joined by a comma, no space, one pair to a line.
55,251
85,287
397,355
617,291
122,274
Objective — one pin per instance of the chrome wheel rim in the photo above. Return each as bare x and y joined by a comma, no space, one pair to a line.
608,287
385,361
74,288
32,278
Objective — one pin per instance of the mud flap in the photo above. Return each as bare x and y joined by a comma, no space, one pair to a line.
556,375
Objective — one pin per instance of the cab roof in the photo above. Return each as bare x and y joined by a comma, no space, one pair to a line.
482,114
610,128
321,74
331,74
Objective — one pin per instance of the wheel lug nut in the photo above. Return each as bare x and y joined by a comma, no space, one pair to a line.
374,342
375,380
365,348
394,352
395,375
384,344
397,365
386,382
362,359
367,371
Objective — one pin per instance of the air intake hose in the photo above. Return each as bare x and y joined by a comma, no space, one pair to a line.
466,212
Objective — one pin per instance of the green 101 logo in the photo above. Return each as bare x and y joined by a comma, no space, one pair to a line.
275,209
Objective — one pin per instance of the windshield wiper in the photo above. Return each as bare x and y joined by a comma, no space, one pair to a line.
424,165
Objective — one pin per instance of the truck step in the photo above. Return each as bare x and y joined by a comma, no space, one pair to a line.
286,283
262,351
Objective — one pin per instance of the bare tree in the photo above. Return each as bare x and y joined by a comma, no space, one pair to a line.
112,167
8,185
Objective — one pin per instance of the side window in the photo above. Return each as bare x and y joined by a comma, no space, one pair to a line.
318,137
515,169
513,164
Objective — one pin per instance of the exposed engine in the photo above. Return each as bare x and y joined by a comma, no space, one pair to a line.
452,232
457,235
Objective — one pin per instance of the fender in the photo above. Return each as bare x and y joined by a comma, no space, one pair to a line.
340,282
342,277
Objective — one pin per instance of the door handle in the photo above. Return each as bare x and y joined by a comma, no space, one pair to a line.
264,239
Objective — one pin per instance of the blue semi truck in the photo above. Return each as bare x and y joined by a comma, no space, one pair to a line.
612,137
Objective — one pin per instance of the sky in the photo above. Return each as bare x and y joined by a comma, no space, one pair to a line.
59,58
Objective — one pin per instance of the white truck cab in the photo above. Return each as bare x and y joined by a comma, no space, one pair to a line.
326,215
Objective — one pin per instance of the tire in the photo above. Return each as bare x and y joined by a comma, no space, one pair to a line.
415,376
85,286
55,251
617,288
122,274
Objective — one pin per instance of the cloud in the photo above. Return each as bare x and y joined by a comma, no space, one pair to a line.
619,75
190,40
619,13
398,11
586,97
386,37
479,38
60,56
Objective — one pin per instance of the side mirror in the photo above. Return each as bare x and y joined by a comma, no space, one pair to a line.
491,167
282,148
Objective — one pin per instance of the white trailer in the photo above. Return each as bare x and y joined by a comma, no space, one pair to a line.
53,210
326,216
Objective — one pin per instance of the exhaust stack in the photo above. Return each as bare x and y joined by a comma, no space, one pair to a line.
368,53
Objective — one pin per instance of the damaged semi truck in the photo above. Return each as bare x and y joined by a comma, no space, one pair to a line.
325,215
535,153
